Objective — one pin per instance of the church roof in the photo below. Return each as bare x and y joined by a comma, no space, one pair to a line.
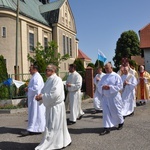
31,8
81,55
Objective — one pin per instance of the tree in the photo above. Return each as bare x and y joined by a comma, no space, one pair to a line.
4,90
91,65
127,46
44,56
99,63
79,65
81,70
133,64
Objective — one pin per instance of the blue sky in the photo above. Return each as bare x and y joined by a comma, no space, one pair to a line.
100,23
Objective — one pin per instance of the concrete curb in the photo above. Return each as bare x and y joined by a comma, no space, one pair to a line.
13,111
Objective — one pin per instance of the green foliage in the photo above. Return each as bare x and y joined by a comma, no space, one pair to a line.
45,56
4,90
79,65
21,92
127,46
133,64
81,70
91,65
99,63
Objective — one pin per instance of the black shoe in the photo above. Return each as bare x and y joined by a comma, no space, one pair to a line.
25,133
105,131
93,112
138,104
96,111
120,126
71,122
143,103
80,117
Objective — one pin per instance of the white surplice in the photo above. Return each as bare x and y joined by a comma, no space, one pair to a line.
111,100
74,95
56,135
128,94
97,97
36,112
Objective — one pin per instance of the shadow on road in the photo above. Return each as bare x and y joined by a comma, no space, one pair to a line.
17,146
85,130
4,130
89,130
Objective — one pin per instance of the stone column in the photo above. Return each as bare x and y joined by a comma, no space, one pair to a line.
89,82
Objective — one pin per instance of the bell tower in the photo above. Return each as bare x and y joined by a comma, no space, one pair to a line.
44,1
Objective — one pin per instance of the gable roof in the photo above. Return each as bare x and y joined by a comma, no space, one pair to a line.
144,34
29,8
81,55
32,8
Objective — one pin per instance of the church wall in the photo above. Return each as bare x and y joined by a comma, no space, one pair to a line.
8,43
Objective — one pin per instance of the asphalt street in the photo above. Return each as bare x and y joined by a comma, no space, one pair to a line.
85,133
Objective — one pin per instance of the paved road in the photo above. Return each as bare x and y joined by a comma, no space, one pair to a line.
85,133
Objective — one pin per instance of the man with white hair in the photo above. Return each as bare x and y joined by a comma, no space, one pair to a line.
109,87
56,135
143,86
128,92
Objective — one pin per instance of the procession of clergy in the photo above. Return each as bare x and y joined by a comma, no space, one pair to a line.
115,96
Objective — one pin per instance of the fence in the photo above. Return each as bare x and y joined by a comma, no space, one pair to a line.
12,92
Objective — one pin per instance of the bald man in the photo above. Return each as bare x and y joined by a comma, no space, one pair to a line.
143,86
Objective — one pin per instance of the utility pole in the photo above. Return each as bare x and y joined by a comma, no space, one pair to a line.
17,35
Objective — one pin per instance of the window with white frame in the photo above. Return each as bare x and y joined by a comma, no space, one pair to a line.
3,32
67,45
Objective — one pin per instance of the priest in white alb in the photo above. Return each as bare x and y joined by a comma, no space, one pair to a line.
73,85
109,87
56,135
97,97
128,92
36,111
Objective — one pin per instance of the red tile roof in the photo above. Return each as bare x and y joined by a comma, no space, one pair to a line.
138,59
144,34
81,55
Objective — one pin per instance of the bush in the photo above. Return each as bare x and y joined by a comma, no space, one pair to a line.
4,90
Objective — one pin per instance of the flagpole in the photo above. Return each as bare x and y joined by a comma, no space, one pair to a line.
17,36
